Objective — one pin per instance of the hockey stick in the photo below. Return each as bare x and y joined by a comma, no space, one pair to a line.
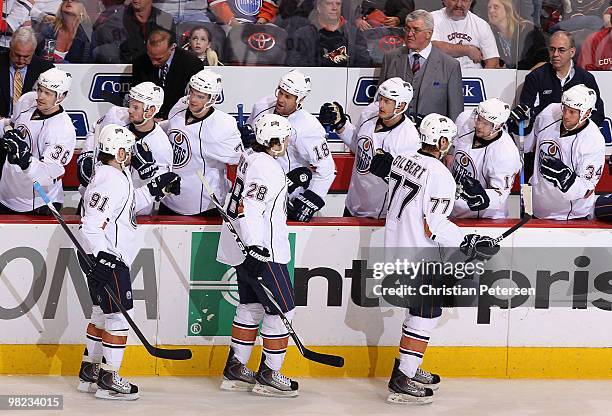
331,360
512,229
240,115
179,354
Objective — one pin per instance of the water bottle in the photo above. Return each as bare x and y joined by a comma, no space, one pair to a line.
49,50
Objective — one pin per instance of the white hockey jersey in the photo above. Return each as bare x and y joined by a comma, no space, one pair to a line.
583,150
494,165
307,145
208,144
52,140
156,140
259,204
367,193
109,220
422,194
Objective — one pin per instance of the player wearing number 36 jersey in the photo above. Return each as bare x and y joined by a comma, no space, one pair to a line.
39,147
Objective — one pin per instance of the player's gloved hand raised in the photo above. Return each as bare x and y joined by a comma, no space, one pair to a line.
164,184
256,260
381,164
519,113
304,206
416,118
478,247
247,135
102,271
143,161
298,177
85,163
332,114
556,172
473,193
17,150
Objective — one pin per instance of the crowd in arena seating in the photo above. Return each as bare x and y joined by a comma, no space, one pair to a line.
353,33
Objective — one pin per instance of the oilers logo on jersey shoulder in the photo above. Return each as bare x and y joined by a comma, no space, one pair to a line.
365,153
181,149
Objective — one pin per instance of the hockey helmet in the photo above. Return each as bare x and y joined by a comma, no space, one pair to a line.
148,94
434,127
114,137
398,90
56,80
296,83
494,111
580,97
272,126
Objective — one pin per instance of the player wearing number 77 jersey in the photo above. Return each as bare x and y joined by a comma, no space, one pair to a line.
569,157
39,147
422,193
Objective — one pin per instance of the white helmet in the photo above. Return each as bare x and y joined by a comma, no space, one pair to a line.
434,127
581,98
148,94
114,137
56,80
296,83
207,81
494,111
398,90
272,126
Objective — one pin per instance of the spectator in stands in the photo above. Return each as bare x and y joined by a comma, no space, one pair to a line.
14,14
199,11
68,32
200,44
44,11
19,69
465,36
579,14
546,84
387,13
434,75
327,40
110,8
167,66
121,37
596,51
517,39
607,16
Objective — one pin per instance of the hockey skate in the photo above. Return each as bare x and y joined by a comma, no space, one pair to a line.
88,377
427,379
272,383
404,390
237,376
112,387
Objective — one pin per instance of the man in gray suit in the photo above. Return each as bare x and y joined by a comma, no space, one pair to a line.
435,76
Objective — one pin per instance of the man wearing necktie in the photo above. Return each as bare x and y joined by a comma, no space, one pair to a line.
435,76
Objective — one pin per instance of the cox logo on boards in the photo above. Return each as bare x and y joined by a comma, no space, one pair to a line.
105,84
79,121
473,91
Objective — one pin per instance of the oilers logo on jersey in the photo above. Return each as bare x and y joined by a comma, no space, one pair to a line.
181,149
463,165
248,7
550,148
365,153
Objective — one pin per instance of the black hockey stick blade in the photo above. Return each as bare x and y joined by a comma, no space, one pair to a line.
523,221
178,354
330,360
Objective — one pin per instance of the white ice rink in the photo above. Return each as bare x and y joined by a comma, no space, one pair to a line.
330,397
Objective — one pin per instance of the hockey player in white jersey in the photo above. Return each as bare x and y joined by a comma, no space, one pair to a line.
152,154
387,131
258,206
569,157
307,147
422,193
202,138
39,147
108,228
485,161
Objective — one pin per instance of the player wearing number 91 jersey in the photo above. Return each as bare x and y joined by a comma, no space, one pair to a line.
39,147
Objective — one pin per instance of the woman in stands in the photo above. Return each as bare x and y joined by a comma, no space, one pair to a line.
65,38
519,43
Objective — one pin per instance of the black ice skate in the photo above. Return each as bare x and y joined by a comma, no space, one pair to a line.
272,383
112,387
237,376
404,390
427,379
88,377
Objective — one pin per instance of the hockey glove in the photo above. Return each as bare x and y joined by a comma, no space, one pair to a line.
478,247
256,260
143,161
17,150
473,193
332,114
298,177
381,164
556,172
85,163
247,135
103,269
519,113
164,184
304,206
416,118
